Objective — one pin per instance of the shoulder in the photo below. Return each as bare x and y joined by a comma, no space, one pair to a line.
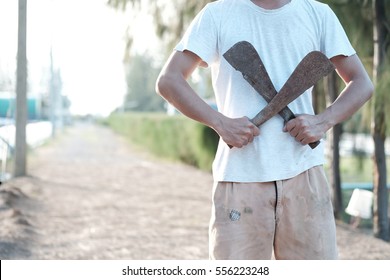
219,10
318,10
221,6
315,6
221,3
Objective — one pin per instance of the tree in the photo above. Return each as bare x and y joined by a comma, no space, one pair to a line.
169,26
334,136
141,78
381,35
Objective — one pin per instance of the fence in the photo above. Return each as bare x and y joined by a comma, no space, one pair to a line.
37,133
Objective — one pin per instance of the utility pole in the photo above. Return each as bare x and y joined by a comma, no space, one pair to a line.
21,94
53,96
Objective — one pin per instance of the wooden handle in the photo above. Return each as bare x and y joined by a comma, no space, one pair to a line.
311,145
259,119
314,144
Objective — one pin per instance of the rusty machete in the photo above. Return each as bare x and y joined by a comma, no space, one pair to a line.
314,66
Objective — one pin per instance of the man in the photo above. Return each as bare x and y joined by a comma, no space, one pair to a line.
270,192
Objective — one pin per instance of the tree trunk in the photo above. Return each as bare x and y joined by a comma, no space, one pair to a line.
21,94
381,220
334,136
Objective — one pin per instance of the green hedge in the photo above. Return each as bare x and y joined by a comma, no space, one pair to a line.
173,137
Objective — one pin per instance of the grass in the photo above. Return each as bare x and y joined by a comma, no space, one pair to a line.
171,137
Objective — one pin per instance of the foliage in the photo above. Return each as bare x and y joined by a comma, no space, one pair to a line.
140,78
123,4
172,137
356,18
171,18
381,101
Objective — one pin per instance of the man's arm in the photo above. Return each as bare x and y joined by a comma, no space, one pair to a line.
172,85
359,88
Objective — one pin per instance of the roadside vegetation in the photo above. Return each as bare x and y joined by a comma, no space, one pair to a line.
172,137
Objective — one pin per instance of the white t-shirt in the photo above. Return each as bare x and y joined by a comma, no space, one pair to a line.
282,37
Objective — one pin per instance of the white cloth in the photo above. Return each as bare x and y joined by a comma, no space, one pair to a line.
282,37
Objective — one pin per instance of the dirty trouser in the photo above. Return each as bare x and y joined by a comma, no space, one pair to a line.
292,218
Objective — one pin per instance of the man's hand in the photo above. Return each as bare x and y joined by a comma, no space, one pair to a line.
237,132
306,128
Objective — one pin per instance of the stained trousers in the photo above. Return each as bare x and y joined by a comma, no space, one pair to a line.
289,219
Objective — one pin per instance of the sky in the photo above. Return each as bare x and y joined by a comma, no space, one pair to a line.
87,39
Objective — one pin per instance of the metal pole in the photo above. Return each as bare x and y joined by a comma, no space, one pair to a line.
21,94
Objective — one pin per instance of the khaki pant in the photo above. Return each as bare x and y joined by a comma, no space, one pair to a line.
291,218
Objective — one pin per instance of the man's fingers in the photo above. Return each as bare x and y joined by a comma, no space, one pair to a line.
302,129
255,131
242,132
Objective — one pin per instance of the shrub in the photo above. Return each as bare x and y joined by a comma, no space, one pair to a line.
173,137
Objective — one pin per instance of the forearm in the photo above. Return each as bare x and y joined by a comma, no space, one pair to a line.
172,85
350,100
175,90
358,89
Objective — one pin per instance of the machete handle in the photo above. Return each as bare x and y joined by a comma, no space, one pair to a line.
244,58
289,115
314,145
261,118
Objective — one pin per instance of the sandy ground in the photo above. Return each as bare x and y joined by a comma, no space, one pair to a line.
91,195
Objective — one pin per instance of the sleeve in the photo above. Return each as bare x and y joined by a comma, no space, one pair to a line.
201,37
334,39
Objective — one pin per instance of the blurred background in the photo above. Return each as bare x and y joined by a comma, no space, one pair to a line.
97,61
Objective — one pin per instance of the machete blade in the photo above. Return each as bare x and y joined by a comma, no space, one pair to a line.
314,66
244,58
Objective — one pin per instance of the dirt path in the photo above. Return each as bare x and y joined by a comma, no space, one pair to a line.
90,195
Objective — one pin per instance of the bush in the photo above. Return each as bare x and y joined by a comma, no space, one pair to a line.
173,137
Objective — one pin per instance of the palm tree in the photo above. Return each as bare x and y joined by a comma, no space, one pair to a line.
334,135
381,33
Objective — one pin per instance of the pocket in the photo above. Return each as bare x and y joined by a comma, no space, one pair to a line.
319,185
227,208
